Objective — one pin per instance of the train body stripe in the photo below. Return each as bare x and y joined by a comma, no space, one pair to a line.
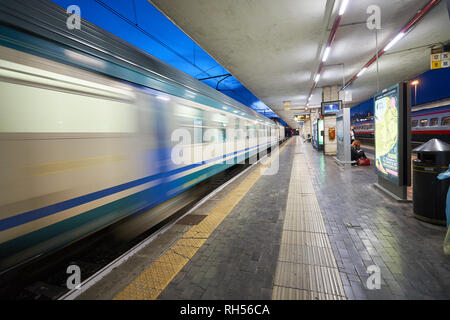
413,132
431,132
430,113
94,219
35,214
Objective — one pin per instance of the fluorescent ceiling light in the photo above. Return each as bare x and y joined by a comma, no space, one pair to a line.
317,77
394,41
362,71
343,7
325,55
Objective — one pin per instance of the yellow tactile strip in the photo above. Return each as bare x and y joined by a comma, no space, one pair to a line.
150,283
306,268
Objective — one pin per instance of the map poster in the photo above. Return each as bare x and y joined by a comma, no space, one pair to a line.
386,113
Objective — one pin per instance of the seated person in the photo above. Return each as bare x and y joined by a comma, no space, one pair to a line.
356,151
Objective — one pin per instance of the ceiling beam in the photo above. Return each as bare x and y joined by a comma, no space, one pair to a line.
408,27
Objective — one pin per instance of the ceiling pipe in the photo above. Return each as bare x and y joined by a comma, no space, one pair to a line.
408,27
331,37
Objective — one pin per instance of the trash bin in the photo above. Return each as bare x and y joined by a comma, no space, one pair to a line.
429,193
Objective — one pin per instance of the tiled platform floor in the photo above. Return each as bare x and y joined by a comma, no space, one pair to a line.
367,227
258,249
239,259
364,226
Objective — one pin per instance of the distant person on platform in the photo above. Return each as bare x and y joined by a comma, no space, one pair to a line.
356,151
352,134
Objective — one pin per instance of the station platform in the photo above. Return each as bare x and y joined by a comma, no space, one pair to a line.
308,232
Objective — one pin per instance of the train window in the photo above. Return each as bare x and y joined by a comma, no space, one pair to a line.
423,122
445,121
433,122
32,102
198,131
191,119
237,127
247,130
187,112
218,135
223,135
414,123
219,120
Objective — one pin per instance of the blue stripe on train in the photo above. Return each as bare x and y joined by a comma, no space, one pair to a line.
68,230
32,215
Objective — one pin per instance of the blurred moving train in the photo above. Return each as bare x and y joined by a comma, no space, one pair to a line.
86,130
427,122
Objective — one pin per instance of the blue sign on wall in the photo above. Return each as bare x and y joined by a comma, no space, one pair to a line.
330,107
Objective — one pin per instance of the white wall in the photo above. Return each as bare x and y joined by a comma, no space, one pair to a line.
330,146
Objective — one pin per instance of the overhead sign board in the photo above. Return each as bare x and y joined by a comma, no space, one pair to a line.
303,117
439,59
331,107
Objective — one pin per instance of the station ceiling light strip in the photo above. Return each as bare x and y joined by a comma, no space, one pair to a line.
408,27
337,21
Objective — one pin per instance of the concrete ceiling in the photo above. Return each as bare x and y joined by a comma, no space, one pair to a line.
274,47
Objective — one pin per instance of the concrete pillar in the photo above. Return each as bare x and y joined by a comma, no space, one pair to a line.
330,145
330,93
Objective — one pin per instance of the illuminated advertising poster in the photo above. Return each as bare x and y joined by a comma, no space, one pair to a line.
320,122
386,112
